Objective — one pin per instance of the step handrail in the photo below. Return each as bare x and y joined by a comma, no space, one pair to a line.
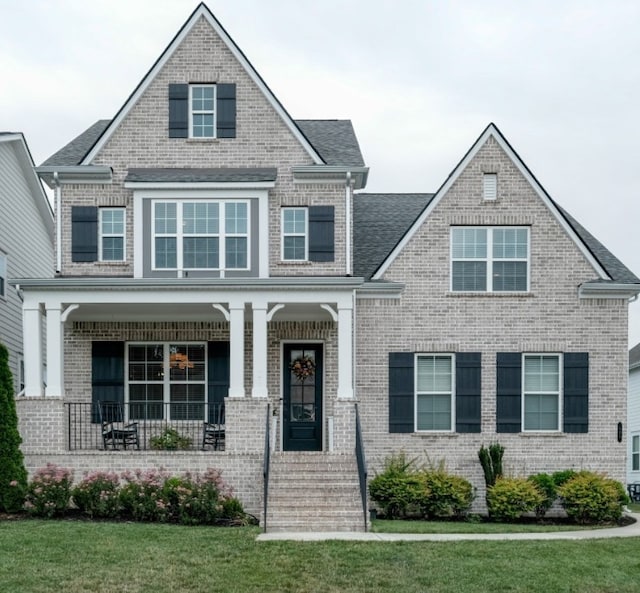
362,466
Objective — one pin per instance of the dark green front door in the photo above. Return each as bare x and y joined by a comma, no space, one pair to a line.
302,397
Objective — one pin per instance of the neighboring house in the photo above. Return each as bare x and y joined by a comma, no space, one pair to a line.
26,241
633,413
214,264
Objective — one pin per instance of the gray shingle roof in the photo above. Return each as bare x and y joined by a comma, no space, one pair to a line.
634,356
334,139
202,175
613,266
379,222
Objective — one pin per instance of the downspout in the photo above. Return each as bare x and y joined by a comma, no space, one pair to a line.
347,217
58,201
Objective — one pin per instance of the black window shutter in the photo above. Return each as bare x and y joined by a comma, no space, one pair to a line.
321,233
468,391
178,110
218,368
226,114
84,233
107,375
509,392
576,392
401,392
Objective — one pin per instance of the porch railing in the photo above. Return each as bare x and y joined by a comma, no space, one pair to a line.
160,426
362,466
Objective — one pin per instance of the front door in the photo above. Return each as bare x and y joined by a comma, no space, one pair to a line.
302,397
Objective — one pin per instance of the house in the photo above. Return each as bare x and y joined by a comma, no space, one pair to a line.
219,272
633,455
26,240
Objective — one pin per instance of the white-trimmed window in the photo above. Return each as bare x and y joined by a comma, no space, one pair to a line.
112,227
3,275
202,114
295,239
541,392
435,393
490,259
635,453
190,235
167,381
490,186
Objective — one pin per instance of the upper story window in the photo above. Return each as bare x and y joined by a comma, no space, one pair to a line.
541,392
3,275
490,259
434,392
201,235
635,453
112,225
294,234
202,113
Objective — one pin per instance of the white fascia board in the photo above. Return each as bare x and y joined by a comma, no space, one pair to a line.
330,174
201,11
608,290
83,174
380,290
178,185
491,131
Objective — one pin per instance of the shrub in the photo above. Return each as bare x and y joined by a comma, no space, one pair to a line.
444,495
49,492
491,461
98,495
547,487
143,497
509,498
562,476
398,487
170,440
13,475
589,497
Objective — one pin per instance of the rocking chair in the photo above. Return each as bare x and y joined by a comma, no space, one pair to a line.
115,433
213,433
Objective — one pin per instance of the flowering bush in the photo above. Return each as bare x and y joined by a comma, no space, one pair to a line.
49,492
143,497
170,440
98,495
303,367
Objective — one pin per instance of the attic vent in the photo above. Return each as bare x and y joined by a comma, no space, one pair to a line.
490,189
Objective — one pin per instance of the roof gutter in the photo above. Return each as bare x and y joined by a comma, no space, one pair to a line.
330,174
74,174
609,290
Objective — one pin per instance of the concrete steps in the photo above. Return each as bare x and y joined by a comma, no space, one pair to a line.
314,491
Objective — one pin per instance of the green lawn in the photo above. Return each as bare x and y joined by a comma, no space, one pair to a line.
77,556
396,526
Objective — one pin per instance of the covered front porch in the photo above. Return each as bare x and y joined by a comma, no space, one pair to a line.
187,356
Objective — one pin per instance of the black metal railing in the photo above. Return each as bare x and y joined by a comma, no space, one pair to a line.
157,426
362,466
265,468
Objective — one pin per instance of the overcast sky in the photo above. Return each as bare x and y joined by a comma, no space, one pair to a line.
420,79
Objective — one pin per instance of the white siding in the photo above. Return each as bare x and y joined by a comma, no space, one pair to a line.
24,239
633,419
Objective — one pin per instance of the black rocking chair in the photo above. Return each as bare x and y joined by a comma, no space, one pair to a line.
115,432
213,433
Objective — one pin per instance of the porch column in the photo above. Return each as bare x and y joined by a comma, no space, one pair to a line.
55,350
345,351
236,338
32,349
259,350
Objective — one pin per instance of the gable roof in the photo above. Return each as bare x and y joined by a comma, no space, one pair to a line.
334,139
379,223
23,154
608,268
202,11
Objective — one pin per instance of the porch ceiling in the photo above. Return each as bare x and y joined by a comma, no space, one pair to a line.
188,312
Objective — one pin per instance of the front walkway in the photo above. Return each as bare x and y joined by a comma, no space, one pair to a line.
632,530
